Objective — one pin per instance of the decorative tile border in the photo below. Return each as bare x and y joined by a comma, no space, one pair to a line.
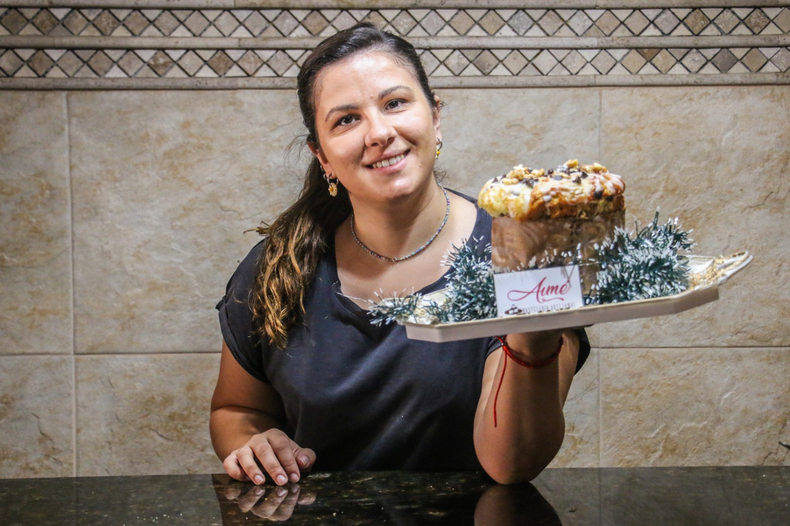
294,23
137,48
266,63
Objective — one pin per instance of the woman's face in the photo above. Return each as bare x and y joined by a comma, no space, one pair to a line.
376,130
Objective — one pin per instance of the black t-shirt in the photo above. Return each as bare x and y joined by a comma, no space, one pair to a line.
365,397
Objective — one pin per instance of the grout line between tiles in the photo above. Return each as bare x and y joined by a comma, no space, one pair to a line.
600,409
600,348
73,322
674,347
150,354
600,140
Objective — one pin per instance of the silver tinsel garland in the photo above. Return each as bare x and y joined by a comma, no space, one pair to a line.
644,264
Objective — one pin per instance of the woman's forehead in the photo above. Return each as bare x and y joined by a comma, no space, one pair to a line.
362,74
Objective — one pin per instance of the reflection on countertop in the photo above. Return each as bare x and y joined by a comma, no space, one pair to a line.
385,498
678,496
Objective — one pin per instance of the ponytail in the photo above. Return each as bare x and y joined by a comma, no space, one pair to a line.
296,242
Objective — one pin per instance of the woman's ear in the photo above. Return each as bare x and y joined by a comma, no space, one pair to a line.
320,156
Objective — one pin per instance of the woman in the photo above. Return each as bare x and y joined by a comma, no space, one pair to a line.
305,379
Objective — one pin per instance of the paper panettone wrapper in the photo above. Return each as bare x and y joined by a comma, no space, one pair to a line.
517,245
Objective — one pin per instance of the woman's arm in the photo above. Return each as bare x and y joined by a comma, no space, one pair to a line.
530,423
245,426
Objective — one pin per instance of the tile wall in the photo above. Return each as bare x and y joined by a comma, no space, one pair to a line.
124,206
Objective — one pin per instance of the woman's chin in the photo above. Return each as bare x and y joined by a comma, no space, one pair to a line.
403,189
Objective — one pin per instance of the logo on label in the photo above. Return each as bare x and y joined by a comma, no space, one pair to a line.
543,292
538,290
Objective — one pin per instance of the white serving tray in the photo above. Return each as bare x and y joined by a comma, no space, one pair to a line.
707,274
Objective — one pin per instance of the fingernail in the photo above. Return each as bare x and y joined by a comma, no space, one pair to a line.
281,492
258,491
258,479
304,460
294,477
281,479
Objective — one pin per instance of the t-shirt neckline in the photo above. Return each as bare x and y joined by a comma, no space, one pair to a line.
352,307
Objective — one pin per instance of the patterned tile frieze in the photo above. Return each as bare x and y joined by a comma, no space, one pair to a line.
113,47
267,63
295,23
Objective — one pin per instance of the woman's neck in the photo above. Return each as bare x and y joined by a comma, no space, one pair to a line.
400,227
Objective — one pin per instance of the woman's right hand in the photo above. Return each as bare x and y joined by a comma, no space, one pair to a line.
280,457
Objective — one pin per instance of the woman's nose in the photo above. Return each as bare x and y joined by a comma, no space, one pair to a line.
380,131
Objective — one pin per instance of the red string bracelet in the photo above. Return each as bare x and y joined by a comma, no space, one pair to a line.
529,365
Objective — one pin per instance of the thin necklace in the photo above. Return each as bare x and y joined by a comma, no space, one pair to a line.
395,260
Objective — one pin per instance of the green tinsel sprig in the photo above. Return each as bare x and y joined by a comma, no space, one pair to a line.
469,292
642,265
470,285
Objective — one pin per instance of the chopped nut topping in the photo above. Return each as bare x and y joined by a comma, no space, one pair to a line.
526,193
594,168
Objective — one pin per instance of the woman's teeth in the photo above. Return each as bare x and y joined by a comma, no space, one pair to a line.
389,162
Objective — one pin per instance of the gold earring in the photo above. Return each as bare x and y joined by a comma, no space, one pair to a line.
332,181
438,148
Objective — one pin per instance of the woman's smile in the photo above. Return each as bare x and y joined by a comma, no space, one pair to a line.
393,162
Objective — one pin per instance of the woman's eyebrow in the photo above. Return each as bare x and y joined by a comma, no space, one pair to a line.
392,89
344,107
348,107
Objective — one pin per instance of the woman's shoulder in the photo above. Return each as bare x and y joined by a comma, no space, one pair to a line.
242,279
482,229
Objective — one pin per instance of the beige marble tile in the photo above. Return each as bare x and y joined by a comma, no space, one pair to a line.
581,447
164,185
35,241
594,335
717,158
488,131
145,414
694,407
36,416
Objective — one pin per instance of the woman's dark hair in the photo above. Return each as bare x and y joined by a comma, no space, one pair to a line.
299,237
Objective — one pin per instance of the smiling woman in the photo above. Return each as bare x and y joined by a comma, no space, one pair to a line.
378,131
306,381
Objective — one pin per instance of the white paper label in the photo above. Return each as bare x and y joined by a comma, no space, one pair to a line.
539,290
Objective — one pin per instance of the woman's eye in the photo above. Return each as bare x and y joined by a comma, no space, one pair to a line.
345,120
395,104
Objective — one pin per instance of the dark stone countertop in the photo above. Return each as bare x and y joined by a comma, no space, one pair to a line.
622,496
